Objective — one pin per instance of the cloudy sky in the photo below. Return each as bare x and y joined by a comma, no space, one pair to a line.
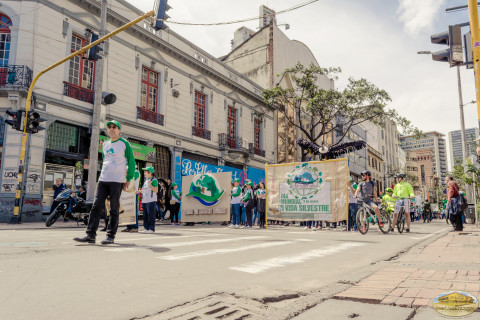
373,39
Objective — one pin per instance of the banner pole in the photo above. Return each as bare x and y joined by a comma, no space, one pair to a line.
347,194
266,197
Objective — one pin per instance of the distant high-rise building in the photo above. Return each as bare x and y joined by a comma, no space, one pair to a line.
455,144
429,140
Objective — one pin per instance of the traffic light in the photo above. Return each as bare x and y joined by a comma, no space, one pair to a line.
16,122
94,52
33,122
453,39
163,7
108,98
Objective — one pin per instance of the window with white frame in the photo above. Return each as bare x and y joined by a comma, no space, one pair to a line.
81,71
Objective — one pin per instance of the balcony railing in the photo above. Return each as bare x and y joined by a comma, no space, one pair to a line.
257,151
15,77
225,140
77,92
150,116
202,133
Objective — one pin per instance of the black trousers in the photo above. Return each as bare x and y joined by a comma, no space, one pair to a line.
105,189
458,221
262,219
174,208
249,214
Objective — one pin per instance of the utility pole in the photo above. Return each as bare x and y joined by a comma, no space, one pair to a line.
462,128
97,105
474,29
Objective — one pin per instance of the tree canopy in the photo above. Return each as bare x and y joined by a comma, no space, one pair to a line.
319,112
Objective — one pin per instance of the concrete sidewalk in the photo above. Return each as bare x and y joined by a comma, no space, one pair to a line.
405,289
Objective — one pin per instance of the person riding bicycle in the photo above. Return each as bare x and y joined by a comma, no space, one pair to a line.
389,200
427,211
402,191
368,191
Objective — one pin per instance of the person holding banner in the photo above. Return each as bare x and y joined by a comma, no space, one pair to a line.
117,156
236,199
352,206
261,195
175,202
149,200
249,203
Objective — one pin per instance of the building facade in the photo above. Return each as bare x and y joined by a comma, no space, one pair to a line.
263,55
433,141
183,110
375,165
455,144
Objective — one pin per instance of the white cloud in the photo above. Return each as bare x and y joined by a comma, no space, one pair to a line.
418,15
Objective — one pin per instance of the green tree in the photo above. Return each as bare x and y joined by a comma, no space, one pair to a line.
320,112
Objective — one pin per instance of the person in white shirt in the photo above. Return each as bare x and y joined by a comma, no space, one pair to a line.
115,177
236,200
352,206
149,200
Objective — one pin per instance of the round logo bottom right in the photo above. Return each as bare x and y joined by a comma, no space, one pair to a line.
455,303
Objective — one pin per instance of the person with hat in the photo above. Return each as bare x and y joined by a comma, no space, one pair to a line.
175,202
117,156
235,203
389,200
249,203
149,199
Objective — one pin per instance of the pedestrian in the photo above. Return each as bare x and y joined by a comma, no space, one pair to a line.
261,197
149,199
160,203
255,211
352,205
235,203
82,192
453,211
58,187
117,155
249,203
176,200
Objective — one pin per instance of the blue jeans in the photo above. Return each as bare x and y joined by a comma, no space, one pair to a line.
161,214
256,216
352,216
149,215
236,214
244,215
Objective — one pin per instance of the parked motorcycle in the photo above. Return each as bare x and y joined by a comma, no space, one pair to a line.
70,206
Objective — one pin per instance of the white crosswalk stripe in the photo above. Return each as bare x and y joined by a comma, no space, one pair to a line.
186,243
277,262
203,253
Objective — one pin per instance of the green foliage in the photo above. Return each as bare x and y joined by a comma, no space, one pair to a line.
320,112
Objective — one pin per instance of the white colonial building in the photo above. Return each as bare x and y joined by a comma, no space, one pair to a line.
183,110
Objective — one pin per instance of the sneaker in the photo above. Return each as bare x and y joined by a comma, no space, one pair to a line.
126,230
150,231
86,239
144,231
108,240
408,230
380,224
231,226
306,228
237,226
172,224
133,230
177,224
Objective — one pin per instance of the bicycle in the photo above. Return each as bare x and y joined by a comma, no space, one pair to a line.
401,218
365,212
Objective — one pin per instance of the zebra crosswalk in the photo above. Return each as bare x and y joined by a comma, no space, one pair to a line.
197,245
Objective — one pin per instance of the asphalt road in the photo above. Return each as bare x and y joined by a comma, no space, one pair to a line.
184,272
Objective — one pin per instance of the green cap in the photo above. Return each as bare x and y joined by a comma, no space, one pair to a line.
173,184
236,180
250,183
389,190
115,122
149,169
355,186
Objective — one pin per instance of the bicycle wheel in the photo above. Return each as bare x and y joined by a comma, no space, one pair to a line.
401,220
362,221
387,223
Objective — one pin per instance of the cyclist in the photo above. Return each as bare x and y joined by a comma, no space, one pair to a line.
389,200
368,191
404,191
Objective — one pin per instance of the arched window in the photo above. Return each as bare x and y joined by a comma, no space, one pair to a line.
5,24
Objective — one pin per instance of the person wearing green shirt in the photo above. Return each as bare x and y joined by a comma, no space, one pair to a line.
117,156
389,200
249,204
176,200
403,192
149,199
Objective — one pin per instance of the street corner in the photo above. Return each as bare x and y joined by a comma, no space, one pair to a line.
334,309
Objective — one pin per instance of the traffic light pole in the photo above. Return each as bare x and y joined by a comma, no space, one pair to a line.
18,194
97,106
474,29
